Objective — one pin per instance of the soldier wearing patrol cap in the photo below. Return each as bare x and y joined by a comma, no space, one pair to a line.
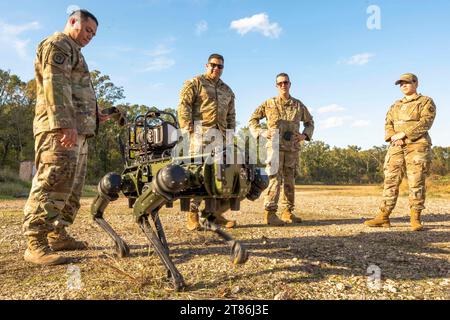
407,124
284,114
65,116
206,106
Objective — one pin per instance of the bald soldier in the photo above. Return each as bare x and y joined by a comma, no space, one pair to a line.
407,124
65,116
284,114
206,107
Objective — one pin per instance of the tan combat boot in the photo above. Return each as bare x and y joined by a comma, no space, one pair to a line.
381,220
192,221
220,220
416,225
38,252
288,217
272,219
60,240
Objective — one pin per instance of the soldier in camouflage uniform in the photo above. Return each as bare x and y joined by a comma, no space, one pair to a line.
66,115
284,114
206,106
407,124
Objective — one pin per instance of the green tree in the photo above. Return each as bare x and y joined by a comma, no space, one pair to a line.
104,155
441,161
17,100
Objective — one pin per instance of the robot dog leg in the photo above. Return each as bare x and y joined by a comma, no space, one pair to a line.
108,190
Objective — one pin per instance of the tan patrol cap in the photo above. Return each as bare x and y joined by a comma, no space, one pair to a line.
407,77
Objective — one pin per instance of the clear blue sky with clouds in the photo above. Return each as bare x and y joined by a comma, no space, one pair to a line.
342,59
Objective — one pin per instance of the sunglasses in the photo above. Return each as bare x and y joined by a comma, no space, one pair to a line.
213,65
282,82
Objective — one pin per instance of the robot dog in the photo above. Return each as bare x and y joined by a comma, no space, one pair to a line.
152,178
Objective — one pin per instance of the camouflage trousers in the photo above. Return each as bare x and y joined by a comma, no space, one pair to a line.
414,160
198,144
57,185
284,176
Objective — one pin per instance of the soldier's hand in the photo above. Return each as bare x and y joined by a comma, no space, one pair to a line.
104,117
399,143
398,136
267,133
299,137
70,137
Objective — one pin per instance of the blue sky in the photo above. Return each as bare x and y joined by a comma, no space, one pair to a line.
340,68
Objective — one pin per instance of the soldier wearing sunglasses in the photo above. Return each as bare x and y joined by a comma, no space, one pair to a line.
208,103
283,114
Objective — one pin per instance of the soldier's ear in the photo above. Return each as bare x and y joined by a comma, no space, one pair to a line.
75,23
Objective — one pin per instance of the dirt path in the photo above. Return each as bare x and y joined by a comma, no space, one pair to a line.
326,257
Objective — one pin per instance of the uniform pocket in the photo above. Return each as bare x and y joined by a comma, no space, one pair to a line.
393,157
291,160
57,170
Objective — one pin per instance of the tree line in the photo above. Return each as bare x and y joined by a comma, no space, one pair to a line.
318,162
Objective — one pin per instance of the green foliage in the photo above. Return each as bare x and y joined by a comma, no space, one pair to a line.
17,100
11,186
320,163
441,161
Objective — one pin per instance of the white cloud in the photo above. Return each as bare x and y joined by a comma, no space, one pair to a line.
333,122
360,124
92,64
160,58
160,63
201,27
156,86
160,50
359,59
257,23
15,30
331,108
336,122
123,49
10,36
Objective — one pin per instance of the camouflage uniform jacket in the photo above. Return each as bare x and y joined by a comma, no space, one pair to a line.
65,96
204,100
284,115
413,117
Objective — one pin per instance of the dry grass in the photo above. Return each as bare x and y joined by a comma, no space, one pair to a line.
324,258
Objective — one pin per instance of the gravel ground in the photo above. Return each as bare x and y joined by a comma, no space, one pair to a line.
326,257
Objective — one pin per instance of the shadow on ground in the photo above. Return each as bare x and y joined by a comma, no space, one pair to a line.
400,255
